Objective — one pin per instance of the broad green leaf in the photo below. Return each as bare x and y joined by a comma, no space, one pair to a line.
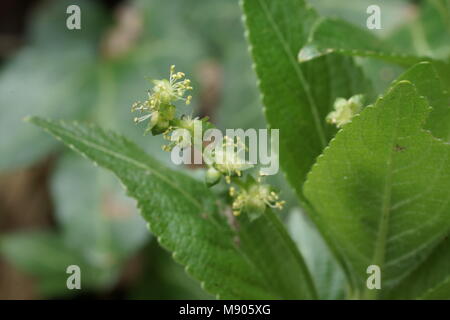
382,187
232,259
296,97
332,35
428,84
431,280
443,69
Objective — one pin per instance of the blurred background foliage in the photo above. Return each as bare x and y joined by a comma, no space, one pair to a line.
56,209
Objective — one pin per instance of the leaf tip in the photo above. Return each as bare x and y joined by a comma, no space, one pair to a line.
37,121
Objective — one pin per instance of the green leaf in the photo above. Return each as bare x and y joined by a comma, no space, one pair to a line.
428,84
431,280
443,69
296,97
382,186
244,260
332,35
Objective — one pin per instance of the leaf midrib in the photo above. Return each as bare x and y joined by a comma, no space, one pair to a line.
383,229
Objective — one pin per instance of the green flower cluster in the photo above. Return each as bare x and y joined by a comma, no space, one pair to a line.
159,106
248,194
253,197
228,162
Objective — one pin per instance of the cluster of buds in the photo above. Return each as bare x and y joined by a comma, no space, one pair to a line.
159,106
189,125
345,110
253,197
227,161
247,193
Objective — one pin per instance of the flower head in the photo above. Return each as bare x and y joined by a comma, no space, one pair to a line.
182,131
345,110
253,197
228,158
159,106
168,91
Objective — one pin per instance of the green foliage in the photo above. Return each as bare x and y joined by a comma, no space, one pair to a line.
428,84
62,73
244,260
381,186
297,98
430,280
381,162
373,191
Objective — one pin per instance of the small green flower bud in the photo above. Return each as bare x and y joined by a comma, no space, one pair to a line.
160,121
345,110
160,127
212,177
